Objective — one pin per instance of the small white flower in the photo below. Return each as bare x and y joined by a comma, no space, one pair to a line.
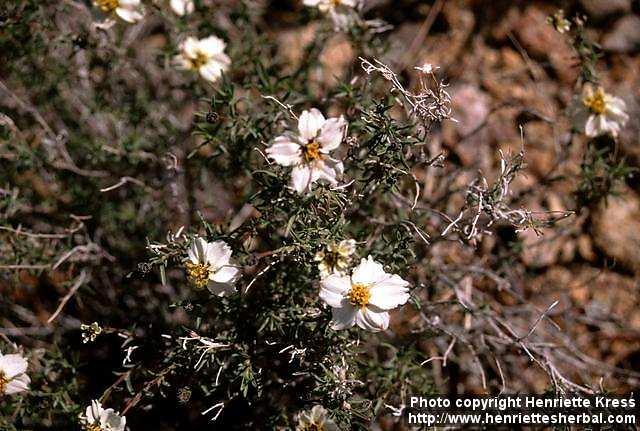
326,6
342,12
183,7
364,298
598,113
205,56
316,420
209,265
98,419
308,150
130,11
336,258
13,379
427,68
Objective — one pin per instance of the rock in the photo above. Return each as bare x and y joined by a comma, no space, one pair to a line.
543,42
616,229
625,35
604,8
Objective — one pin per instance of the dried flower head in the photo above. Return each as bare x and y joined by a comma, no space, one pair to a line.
90,332
316,420
559,22
336,258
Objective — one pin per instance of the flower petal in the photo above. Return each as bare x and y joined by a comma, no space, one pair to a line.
226,274
389,293
221,289
212,71
331,134
129,14
368,272
371,320
211,45
323,171
301,178
12,365
18,384
197,250
218,254
343,317
591,127
333,289
310,123
182,7
285,151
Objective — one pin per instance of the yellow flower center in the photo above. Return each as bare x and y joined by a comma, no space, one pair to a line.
335,3
595,102
359,295
3,382
93,427
311,151
198,274
200,60
108,5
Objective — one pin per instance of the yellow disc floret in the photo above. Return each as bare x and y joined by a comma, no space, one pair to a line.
595,101
108,5
3,382
311,151
198,274
93,427
359,295
200,60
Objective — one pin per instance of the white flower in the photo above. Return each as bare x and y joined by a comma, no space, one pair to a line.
308,150
210,265
183,7
330,5
427,68
12,374
206,56
336,258
316,420
98,419
365,297
598,113
129,10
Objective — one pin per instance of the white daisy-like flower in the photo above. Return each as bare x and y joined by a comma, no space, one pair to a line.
365,297
336,258
308,150
326,6
97,418
130,11
205,56
13,379
209,265
599,113
316,420
183,7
